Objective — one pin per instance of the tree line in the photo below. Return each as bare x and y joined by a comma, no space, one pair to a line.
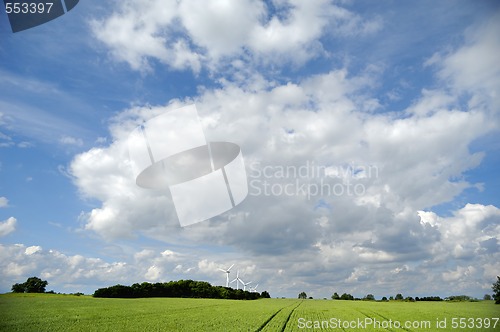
399,297
180,288
203,289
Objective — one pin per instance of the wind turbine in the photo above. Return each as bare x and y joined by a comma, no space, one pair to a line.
227,274
245,284
254,289
238,280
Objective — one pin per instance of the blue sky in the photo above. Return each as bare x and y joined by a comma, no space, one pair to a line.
409,88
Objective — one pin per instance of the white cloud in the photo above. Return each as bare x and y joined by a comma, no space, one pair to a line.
5,140
68,140
7,226
24,145
297,34
4,202
474,230
124,200
101,140
153,274
323,119
72,273
473,68
134,34
32,250
18,262
459,274
357,262
221,27
191,33
431,102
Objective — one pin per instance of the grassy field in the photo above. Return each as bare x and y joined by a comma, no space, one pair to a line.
44,312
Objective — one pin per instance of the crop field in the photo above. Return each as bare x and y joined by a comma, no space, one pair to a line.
44,312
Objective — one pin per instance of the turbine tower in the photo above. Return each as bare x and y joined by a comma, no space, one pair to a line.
254,289
227,274
237,279
245,284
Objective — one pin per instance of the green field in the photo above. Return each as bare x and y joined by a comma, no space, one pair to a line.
44,312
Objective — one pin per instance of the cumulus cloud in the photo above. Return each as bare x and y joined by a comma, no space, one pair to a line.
190,34
18,262
135,33
379,228
72,273
277,127
475,222
362,213
341,264
466,74
7,226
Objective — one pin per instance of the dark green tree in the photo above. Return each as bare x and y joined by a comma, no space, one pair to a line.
265,295
459,298
303,296
370,297
335,296
35,285
32,285
346,296
18,288
384,298
496,291
487,297
399,296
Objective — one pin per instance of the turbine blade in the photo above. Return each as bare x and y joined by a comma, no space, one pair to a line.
230,267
